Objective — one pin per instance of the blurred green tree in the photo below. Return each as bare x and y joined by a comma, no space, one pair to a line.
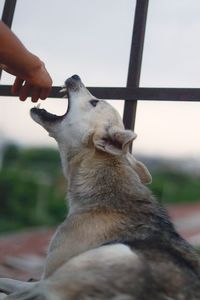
32,188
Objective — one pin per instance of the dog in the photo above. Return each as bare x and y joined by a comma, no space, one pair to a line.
117,241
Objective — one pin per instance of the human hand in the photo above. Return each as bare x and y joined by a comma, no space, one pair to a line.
37,85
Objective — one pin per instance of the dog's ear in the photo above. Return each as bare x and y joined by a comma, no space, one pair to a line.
113,140
143,172
140,169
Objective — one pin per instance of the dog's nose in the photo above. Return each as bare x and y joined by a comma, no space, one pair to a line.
76,77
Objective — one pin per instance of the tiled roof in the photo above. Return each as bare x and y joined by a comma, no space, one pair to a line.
22,254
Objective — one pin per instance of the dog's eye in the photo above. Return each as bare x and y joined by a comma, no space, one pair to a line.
94,102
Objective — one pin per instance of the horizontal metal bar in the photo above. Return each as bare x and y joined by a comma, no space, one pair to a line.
130,94
168,94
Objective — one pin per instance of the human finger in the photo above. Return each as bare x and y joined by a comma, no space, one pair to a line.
35,94
17,85
44,93
25,91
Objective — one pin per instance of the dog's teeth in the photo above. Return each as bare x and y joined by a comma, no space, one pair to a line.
63,90
38,106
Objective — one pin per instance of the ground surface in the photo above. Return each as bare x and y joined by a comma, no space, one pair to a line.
22,254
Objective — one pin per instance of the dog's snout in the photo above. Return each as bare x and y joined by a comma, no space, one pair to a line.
74,84
73,80
76,77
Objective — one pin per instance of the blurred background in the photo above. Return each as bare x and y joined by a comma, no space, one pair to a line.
92,39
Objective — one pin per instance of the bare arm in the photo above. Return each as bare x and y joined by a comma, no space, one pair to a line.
32,77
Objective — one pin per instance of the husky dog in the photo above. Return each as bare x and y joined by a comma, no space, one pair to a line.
117,242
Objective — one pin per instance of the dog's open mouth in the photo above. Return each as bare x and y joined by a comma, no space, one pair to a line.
72,84
46,116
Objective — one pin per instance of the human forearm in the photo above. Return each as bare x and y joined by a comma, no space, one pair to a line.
32,78
14,56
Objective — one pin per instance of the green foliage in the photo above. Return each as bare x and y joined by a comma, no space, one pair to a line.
32,188
175,187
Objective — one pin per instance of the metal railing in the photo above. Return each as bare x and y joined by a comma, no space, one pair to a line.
132,92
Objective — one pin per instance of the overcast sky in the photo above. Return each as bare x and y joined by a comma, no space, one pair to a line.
92,38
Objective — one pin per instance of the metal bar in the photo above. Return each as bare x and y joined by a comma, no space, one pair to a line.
135,62
8,14
147,94
120,93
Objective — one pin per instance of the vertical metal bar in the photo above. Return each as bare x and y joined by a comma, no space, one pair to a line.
135,61
8,12
7,15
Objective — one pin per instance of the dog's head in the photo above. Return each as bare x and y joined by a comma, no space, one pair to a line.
88,122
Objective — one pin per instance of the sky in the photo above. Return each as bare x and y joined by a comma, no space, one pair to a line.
92,39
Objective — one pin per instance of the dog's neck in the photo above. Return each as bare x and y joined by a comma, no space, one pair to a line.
66,157
95,179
